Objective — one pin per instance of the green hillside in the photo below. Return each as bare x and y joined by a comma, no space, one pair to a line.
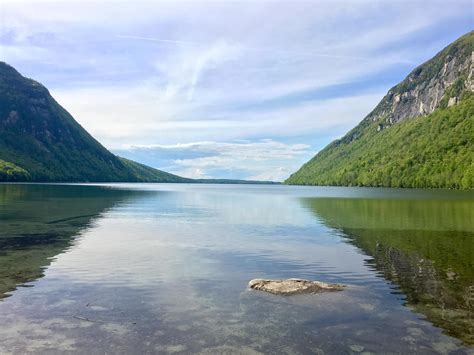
420,135
432,151
41,141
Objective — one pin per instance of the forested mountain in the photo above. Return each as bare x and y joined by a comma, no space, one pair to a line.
420,135
41,141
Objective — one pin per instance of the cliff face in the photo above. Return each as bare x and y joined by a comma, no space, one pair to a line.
437,83
419,135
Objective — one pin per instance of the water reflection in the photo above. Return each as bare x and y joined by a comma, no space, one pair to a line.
164,269
426,247
38,222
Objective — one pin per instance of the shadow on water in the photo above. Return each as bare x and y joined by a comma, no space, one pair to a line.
425,247
38,222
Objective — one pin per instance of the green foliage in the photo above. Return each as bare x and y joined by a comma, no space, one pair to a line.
435,151
12,172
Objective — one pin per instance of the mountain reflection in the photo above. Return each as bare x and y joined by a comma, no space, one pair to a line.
38,222
425,247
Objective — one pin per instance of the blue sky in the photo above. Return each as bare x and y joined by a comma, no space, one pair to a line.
242,89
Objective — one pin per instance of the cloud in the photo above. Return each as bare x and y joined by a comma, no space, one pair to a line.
158,40
144,115
265,158
273,50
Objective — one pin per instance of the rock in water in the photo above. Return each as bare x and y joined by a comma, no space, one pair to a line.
293,286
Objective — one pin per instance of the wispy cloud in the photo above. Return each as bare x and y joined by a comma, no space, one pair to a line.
272,50
187,43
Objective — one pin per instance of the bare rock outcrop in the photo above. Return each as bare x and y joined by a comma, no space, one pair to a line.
437,83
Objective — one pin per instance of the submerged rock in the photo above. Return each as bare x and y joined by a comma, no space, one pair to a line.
293,286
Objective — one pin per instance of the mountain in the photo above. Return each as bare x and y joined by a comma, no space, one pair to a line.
419,135
41,141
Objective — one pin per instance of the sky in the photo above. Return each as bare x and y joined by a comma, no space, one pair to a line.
220,89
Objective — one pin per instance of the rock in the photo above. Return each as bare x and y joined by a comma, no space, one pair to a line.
293,286
357,348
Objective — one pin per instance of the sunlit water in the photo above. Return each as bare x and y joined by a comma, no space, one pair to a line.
145,268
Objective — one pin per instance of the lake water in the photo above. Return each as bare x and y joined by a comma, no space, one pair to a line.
156,268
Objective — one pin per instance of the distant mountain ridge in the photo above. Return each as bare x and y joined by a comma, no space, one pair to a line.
41,141
419,135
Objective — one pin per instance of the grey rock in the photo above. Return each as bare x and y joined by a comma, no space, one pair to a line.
357,348
293,286
417,96
452,101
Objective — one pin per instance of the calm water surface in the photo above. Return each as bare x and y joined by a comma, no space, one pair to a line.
142,268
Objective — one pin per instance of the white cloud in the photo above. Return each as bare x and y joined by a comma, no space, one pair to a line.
141,115
194,173
264,159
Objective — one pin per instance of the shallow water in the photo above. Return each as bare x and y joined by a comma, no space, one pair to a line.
137,268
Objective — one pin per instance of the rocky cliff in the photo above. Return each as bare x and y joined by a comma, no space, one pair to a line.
435,84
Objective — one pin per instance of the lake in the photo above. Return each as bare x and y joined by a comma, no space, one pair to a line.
157,268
